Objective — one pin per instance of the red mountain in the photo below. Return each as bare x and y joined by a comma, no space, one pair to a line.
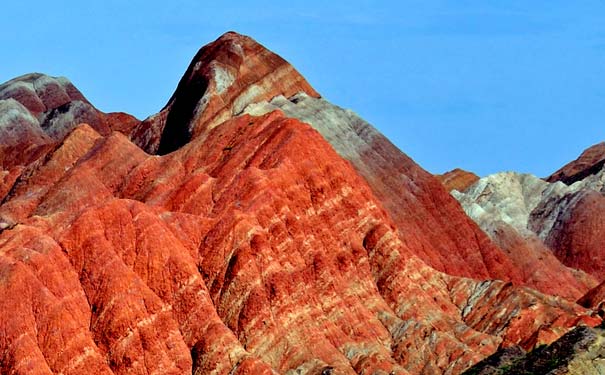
458,179
249,227
589,163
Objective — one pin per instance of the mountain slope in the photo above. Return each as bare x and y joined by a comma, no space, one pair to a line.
590,162
37,110
579,352
248,244
458,179
568,219
551,220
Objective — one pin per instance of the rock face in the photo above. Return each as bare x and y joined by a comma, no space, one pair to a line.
552,219
533,221
568,219
431,223
251,243
37,110
590,162
595,299
580,352
458,179
223,78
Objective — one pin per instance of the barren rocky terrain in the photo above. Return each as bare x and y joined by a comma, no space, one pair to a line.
252,227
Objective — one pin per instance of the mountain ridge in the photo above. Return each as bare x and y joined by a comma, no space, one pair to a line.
253,228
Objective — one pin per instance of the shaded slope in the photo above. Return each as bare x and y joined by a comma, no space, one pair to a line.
222,79
580,352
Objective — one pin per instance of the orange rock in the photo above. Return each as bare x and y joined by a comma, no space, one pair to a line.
589,162
223,78
578,234
457,179
205,250
253,248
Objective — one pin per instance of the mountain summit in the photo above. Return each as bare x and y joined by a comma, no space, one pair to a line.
250,227
223,78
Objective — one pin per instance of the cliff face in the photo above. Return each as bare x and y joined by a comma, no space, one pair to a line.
253,236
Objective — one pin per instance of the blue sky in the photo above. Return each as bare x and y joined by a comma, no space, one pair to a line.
484,85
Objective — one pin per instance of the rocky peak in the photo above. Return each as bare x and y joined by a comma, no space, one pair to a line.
590,162
509,197
40,93
274,233
457,179
223,78
38,111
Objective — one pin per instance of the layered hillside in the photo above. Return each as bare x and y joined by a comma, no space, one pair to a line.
458,179
509,208
568,220
551,219
250,227
589,163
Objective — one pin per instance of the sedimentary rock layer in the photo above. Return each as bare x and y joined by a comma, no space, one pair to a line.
536,221
254,244
590,162
458,179
249,244
37,110
432,224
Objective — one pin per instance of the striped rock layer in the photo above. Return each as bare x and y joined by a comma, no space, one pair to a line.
248,228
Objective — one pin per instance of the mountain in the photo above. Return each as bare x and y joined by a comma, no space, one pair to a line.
510,209
249,227
568,220
457,179
37,110
589,163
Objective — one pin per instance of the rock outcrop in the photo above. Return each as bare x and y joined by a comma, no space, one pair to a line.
595,299
551,219
580,352
458,179
590,162
129,257
223,78
226,236
37,110
430,222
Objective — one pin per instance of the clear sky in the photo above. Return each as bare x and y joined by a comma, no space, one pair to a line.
486,85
